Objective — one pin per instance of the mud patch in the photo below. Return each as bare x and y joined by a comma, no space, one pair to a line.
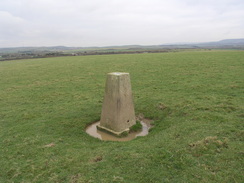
92,131
50,145
208,145
97,159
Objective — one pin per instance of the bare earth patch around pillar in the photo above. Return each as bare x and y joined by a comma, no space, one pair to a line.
94,132
118,113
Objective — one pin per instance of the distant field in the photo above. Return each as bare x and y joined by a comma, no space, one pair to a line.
195,99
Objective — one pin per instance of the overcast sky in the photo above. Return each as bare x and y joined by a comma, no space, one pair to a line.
118,22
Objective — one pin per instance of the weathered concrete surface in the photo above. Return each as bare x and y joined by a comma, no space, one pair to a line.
118,113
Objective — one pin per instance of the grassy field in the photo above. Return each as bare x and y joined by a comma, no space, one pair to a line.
195,99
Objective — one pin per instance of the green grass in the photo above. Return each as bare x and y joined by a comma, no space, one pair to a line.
195,99
136,127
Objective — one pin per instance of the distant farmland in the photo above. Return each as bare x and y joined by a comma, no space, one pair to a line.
59,51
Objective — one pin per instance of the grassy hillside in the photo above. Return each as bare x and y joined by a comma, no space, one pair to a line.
195,99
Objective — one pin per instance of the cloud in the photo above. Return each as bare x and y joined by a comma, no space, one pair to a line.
106,22
11,27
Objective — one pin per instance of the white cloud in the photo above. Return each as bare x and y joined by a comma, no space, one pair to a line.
116,22
11,26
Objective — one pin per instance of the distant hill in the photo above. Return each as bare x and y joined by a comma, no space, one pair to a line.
54,51
35,49
232,41
225,42
222,43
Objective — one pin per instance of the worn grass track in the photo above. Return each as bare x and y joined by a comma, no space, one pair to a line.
194,97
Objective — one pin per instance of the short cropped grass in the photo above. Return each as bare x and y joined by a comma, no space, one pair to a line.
195,99
136,127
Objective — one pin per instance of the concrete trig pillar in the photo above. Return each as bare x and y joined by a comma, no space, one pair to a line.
118,113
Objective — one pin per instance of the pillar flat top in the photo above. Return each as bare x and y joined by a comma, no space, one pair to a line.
118,73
